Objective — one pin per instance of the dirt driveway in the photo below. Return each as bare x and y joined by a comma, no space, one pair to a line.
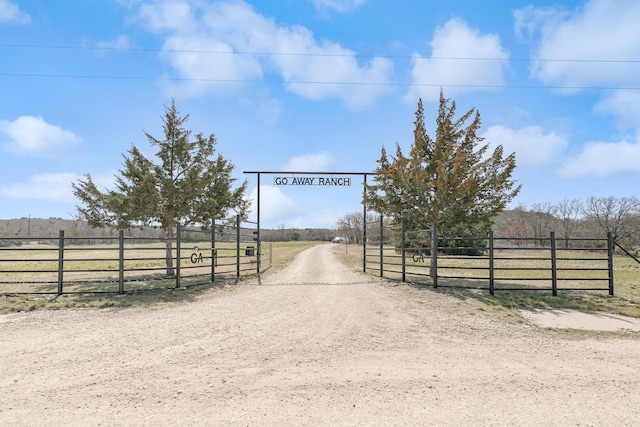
313,344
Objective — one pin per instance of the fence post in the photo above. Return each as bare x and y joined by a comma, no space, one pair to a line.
178,254
121,262
214,254
403,230
364,245
381,245
492,276
434,255
364,241
238,246
554,266
60,261
258,250
610,260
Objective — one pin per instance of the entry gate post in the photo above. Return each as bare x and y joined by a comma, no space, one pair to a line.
258,242
364,226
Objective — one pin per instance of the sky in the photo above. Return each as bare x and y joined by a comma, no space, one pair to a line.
315,86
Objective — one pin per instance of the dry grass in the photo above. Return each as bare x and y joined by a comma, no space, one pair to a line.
626,274
99,294
626,282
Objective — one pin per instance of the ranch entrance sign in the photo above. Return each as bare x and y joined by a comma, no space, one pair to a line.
311,181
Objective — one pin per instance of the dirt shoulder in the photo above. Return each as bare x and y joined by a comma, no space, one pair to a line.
312,344
587,321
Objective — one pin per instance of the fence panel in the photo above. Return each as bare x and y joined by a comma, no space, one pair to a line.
119,264
396,253
238,249
489,263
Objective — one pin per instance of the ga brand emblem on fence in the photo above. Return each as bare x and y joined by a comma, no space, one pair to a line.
196,256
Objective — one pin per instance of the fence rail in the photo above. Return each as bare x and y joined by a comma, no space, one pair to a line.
119,264
490,263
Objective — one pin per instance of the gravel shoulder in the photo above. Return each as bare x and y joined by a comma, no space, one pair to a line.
312,344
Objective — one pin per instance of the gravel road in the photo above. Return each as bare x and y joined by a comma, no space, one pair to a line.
313,344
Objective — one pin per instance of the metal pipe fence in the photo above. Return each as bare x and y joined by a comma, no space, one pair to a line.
121,263
491,263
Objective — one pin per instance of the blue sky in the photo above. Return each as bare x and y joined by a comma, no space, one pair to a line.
316,85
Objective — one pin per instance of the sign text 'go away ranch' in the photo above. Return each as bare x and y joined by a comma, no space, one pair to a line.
310,181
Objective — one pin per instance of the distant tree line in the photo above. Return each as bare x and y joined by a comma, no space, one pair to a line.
574,218
18,231
283,234
46,231
569,219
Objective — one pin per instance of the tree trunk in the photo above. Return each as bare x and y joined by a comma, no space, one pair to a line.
433,268
169,249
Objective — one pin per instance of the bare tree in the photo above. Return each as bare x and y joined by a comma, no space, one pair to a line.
282,233
616,216
568,213
516,225
351,225
542,221
77,227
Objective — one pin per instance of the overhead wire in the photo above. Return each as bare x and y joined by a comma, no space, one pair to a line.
311,54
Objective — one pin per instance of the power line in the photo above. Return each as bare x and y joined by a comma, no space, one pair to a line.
309,54
301,82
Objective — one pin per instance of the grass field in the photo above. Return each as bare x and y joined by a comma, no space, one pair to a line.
626,300
92,273
626,275
86,268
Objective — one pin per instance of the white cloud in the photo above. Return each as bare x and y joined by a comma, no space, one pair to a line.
10,12
624,105
341,6
168,15
317,218
529,20
266,108
269,110
603,159
51,187
128,3
220,47
33,136
274,205
326,70
220,73
600,31
312,162
120,42
447,66
533,148
276,209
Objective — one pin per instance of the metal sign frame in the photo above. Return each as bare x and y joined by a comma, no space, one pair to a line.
333,173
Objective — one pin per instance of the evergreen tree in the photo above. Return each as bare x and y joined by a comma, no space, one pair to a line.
449,180
187,182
